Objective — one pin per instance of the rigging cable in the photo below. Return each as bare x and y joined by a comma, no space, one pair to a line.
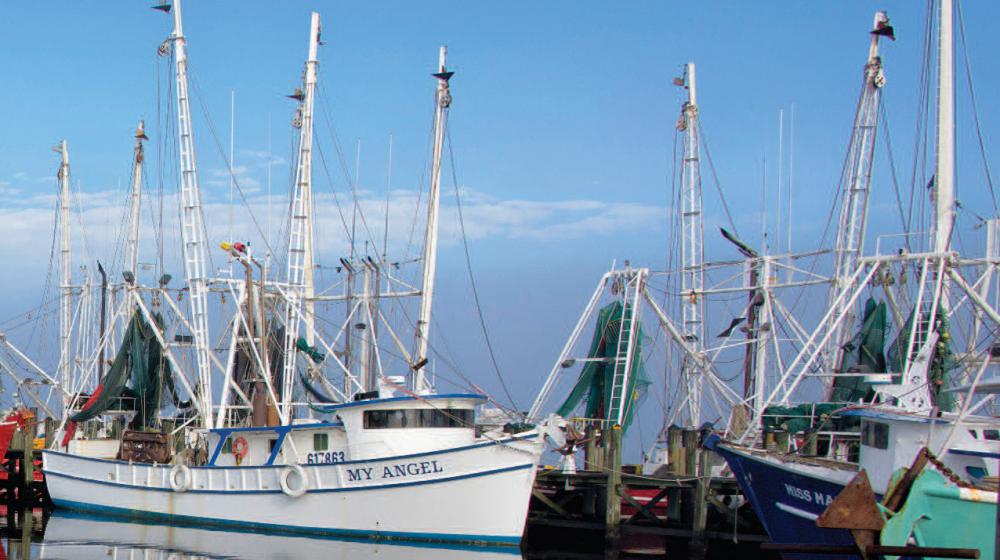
883,113
468,268
715,178
232,175
975,110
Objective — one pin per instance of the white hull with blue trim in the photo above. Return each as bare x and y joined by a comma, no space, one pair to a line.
406,467
476,494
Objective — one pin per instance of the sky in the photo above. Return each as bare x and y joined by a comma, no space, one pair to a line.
562,130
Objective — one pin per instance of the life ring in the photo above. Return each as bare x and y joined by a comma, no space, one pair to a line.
180,478
294,491
240,448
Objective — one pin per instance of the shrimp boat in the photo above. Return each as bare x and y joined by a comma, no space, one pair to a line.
390,460
397,468
904,400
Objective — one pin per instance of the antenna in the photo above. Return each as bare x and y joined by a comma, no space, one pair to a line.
65,286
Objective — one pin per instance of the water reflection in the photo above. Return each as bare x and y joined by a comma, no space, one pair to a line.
68,535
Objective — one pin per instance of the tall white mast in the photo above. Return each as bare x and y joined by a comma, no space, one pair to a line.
692,235
442,103
135,203
65,286
944,174
192,223
300,231
855,190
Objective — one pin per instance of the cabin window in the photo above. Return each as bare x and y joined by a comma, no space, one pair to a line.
875,434
992,435
976,472
227,446
321,442
270,445
419,418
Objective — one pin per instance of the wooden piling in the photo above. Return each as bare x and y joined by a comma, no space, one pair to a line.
781,440
690,443
809,448
675,450
593,456
698,547
613,513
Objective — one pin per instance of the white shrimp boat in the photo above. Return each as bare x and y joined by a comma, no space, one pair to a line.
395,463
441,484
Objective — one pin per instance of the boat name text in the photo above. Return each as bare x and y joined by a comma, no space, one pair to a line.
401,470
807,496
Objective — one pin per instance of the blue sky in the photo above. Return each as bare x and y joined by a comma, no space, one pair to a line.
562,126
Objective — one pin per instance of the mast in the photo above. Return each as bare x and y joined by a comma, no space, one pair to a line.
442,103
135,203
692,277
856,187
300,231
944,173
192,222
65,286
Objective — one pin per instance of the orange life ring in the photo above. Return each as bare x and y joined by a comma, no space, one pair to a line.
240,447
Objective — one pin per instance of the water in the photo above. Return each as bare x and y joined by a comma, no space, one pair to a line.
72,536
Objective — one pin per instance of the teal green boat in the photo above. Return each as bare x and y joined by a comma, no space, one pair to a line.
939,513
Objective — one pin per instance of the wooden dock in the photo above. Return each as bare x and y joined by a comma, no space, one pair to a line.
684,509
21,482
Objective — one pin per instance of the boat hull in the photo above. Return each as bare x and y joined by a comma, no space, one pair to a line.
939,514
788,496
476,494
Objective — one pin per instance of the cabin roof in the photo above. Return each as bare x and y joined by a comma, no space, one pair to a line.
417,398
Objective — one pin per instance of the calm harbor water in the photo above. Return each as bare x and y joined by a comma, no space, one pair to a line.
71,536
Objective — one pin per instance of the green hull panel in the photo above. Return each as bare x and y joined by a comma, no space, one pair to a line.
937,513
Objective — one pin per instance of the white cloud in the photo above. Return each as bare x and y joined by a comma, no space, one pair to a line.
99,223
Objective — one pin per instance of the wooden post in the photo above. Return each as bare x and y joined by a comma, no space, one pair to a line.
51,425
698,547
675,450
809,449
27,520
781,441
28,468
593,458
690,438
613,513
